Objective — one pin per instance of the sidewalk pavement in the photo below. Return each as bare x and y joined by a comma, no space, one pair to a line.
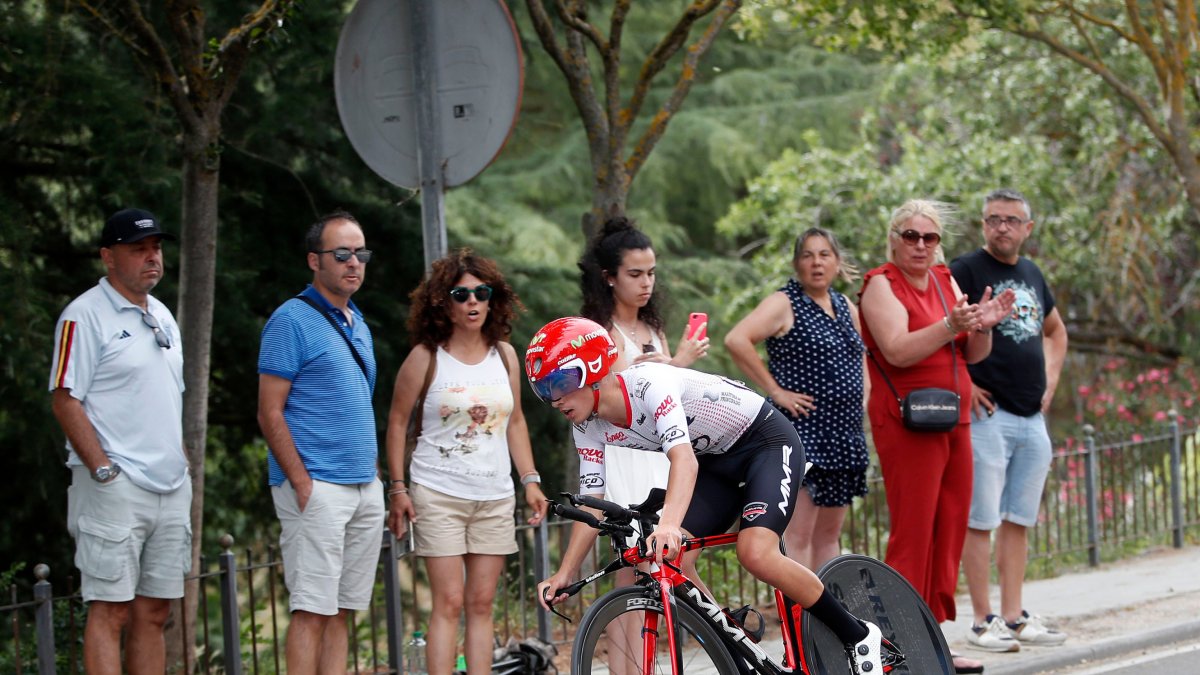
1120,607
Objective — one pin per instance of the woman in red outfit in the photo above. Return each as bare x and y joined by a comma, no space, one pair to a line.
910,334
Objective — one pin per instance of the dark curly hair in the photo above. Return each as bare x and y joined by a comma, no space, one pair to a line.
604,255
429,321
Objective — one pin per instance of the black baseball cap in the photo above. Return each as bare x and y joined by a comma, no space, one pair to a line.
130,225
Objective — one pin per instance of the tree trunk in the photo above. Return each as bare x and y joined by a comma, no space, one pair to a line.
606,122
197,281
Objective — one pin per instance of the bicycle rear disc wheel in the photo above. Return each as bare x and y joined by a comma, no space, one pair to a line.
603,644
872,591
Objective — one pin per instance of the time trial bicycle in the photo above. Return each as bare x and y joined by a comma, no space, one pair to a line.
683,630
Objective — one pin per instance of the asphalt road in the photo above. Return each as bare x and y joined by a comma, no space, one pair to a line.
1176,658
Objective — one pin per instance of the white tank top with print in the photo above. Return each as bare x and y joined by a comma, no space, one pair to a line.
463,447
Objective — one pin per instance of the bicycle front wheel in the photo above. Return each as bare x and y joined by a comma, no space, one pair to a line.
626,627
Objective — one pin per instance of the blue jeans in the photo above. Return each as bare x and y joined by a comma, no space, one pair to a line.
1012,456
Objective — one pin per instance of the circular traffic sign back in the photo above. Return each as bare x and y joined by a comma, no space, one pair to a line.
479,74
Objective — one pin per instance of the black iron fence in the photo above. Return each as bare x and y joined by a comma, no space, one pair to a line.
1107,494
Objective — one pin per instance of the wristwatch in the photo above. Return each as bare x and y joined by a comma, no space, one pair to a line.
106,472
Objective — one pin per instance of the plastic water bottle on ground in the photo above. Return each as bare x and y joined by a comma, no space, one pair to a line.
414,654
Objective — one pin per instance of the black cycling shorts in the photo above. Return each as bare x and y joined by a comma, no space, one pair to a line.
756,480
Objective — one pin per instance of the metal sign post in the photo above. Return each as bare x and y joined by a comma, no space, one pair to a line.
429,133
428,92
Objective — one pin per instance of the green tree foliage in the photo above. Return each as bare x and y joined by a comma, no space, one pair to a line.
750,101
1143,52
1108,211
85,136
63,170
84,139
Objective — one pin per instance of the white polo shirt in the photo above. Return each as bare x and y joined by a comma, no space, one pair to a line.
131,388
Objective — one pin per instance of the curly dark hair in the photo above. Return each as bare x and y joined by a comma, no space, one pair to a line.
429,321
605,254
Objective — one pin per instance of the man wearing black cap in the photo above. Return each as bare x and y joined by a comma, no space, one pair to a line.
117,386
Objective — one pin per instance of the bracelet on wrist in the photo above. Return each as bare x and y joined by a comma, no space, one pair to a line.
946,323
530,477
398,491
396,480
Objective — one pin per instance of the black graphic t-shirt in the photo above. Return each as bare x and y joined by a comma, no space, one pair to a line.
1015,371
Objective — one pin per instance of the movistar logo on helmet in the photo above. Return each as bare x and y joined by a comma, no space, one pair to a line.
537,338
578,342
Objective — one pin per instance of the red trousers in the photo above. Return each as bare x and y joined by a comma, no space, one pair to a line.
927,477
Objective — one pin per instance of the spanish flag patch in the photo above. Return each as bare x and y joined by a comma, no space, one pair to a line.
63,353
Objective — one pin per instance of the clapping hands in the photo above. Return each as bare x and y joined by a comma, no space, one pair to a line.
983,315
993,310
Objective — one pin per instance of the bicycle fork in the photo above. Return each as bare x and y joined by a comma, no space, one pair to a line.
675,587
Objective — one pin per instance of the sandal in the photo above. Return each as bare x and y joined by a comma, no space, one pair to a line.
964,665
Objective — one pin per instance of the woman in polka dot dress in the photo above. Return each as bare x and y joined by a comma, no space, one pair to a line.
814,375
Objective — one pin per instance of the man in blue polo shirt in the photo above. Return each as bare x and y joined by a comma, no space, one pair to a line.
117,385
316,375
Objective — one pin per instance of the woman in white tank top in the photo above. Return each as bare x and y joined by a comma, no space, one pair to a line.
460,495
617,276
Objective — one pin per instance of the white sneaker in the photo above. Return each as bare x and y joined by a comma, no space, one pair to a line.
866,656
993,636
1031,629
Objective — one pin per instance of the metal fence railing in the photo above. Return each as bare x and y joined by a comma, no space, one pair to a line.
1107,494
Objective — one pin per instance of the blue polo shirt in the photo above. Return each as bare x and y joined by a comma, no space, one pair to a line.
328,409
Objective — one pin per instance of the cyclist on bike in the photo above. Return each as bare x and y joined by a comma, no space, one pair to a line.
727,447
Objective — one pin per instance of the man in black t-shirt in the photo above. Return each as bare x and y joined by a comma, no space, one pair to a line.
1012,389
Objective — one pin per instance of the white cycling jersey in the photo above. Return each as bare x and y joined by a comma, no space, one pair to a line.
666,406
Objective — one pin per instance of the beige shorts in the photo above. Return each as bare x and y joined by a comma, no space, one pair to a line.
449,526
129,541
331,549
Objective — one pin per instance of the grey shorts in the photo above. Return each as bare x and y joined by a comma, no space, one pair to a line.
331,549
129,541
448,525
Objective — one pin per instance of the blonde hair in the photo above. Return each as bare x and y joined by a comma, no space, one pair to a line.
940,213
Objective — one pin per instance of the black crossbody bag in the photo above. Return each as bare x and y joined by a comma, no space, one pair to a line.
930,408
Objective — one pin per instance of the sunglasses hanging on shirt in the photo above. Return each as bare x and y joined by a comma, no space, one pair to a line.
159,336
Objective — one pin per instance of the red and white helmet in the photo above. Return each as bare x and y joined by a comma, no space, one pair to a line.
568,354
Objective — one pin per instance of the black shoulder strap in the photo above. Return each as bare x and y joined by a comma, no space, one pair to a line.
953,351
503,359
333,322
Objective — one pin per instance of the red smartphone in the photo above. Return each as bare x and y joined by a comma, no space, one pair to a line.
695,321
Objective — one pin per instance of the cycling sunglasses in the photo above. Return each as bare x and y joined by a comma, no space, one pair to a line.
482,293
559,382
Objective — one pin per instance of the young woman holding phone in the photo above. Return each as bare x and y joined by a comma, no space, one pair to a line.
617,278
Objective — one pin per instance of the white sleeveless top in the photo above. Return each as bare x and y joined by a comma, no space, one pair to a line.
631,472
463,447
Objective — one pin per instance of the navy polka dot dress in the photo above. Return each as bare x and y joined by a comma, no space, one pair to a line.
822,356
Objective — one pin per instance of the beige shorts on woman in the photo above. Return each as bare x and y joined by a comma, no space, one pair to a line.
449,525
